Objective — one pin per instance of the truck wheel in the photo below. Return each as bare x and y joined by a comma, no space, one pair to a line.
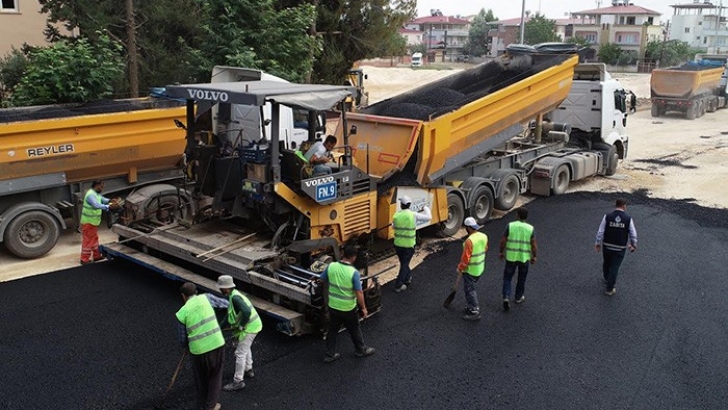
481,204
655,110
510,189
455,216
164,209
32,234
703,108
561,180
691,112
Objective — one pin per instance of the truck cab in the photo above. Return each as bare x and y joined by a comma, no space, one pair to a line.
416,60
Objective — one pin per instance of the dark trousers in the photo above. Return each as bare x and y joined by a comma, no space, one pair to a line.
350,320
405,273
610,266
208,368
508,273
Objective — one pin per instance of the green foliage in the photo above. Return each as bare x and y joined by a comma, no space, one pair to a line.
670,53
68,72
418,48
539,29
477,43
610,53
578,40
12,68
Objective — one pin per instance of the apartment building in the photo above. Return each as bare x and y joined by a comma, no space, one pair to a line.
445,34
701,25
21,22
508,32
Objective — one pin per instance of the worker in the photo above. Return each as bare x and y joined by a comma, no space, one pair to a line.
472,266
200,332
518,247
632,102
616,234
93,205
319,155
342,293
405,223
246,324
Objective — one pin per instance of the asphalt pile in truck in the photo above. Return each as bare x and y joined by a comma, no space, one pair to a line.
453,92
75,110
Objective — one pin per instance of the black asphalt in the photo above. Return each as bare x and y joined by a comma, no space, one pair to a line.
103,336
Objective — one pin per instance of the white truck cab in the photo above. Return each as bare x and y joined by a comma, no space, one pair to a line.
416,60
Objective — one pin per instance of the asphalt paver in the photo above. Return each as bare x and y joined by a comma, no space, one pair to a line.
103,336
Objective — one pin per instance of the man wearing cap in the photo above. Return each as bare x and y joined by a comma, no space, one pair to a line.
246,324
518,247
472,266
200,332
405,223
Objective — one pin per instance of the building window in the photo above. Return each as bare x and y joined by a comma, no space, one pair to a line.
628,38
687,29
650,20
621,20
591,37
700,23
631,21
9,5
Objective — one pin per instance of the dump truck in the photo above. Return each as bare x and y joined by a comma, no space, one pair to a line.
691,89
266,220
49,155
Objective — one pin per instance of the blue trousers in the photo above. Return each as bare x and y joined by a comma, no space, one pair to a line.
508,273
610,266
405,273
471,297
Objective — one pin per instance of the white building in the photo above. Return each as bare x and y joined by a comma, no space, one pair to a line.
701,24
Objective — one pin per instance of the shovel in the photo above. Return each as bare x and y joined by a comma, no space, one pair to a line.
174,379
453,291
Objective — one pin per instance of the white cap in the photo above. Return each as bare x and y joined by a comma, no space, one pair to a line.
470,222
405,200
225,282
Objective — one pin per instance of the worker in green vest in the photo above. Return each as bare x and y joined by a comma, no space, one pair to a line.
200,332
472,266
405,223
93,205
518,247
342,293
246,324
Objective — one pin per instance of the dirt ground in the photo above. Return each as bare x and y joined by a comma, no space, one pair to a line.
669,157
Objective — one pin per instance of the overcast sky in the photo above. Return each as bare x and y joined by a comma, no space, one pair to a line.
506,9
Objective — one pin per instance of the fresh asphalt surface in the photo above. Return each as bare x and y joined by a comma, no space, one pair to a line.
103,336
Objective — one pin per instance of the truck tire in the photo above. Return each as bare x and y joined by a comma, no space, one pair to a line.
703,107
32,234
611,157
509,191
455,216
561,180
481,204
655,110
691,112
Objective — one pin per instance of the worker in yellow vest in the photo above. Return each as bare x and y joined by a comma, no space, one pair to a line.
405,223
93,204
246,324
518,247
342,293
472,266
200,332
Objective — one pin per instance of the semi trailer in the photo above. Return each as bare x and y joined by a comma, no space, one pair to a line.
692,89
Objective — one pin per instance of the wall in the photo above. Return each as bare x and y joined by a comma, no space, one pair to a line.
22,26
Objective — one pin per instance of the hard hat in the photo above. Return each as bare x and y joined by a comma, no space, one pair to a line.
225,282
470,222
405,200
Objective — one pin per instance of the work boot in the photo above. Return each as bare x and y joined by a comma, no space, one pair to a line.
521,299
85,262
472,316
399,288
506,304
218,406
234,386
249,374
329,358
366,352
611,292
100,258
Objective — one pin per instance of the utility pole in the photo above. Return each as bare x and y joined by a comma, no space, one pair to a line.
717,27
131,50
523,19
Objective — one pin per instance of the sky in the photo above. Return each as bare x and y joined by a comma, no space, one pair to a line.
554,9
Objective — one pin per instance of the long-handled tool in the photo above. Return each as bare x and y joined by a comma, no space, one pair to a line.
453,291
174,377
220,248
180,223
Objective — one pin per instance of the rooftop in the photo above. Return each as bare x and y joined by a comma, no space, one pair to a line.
438,19
626,9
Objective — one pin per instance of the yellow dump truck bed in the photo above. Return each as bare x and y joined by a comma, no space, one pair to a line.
92,146
684,84
384,145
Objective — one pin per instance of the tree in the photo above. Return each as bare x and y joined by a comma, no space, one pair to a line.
578,41
610,53
670,53
477,43
12,69
70,71
539,29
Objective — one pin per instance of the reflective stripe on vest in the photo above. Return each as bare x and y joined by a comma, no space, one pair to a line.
518,244
405,229
89,214
476,265
203,331
254,324
341,288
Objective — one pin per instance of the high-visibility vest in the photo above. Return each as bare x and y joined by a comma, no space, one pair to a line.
405,229
341,287
518,243
89,214
254,323
476,266
203,331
